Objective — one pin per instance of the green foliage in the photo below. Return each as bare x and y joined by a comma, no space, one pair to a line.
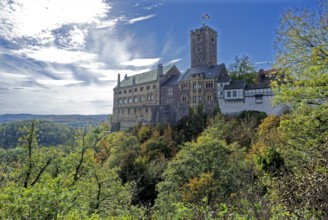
50,134
302,56
243,69
65,182
189,127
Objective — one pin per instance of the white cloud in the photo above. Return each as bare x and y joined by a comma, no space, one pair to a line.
141,62
52,82
175,61
55,55
134,20
111,75
34,18
150,7
261,62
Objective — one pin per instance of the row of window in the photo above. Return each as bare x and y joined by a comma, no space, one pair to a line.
234,94
197,98
125,91
132,110
258,90
197,85
136,99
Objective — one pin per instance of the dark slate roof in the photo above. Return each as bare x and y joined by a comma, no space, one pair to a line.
262,85
235,84
144,77
212,72
224,79
174,80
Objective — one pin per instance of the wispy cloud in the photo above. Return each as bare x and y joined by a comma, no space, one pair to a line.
52,82
174,61
141,62
134,20
150,7
261,62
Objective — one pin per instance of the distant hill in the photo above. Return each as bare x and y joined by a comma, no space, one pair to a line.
74,121
49,133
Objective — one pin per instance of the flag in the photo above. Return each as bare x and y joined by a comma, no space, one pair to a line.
206,16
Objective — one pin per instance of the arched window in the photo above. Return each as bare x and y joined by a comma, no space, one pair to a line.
184,98
209,97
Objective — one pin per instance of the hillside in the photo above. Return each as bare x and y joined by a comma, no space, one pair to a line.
75,121
49,133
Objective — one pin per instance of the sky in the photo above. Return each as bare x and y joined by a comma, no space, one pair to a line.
63,56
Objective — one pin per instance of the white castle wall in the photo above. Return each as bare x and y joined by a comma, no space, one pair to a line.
249,104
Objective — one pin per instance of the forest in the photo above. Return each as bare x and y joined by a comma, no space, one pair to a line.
248,166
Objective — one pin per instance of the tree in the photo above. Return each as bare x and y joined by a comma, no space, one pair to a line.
302,56
243,69
302,83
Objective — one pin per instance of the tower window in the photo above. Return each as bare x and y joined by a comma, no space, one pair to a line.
209,97
199,37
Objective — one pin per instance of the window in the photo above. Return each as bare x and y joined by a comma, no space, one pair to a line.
199,86
258,99
135,89
148,87
141,99
184,86
194,99
229,94
154,86
130,90
184,98
135,99
234,93
199,49
200,98
209,98
124,100
194,85
141,88
169,91
119,101
209,85
120,92
128,110
150,97
199,37
124,91
130,100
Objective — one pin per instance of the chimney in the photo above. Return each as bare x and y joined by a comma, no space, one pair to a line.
133,80
118,80
159,70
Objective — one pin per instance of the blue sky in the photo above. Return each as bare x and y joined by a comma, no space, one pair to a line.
63,56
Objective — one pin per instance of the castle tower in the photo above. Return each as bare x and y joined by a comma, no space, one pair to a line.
203,47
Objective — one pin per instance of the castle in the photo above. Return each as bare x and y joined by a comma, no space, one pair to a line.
165,95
